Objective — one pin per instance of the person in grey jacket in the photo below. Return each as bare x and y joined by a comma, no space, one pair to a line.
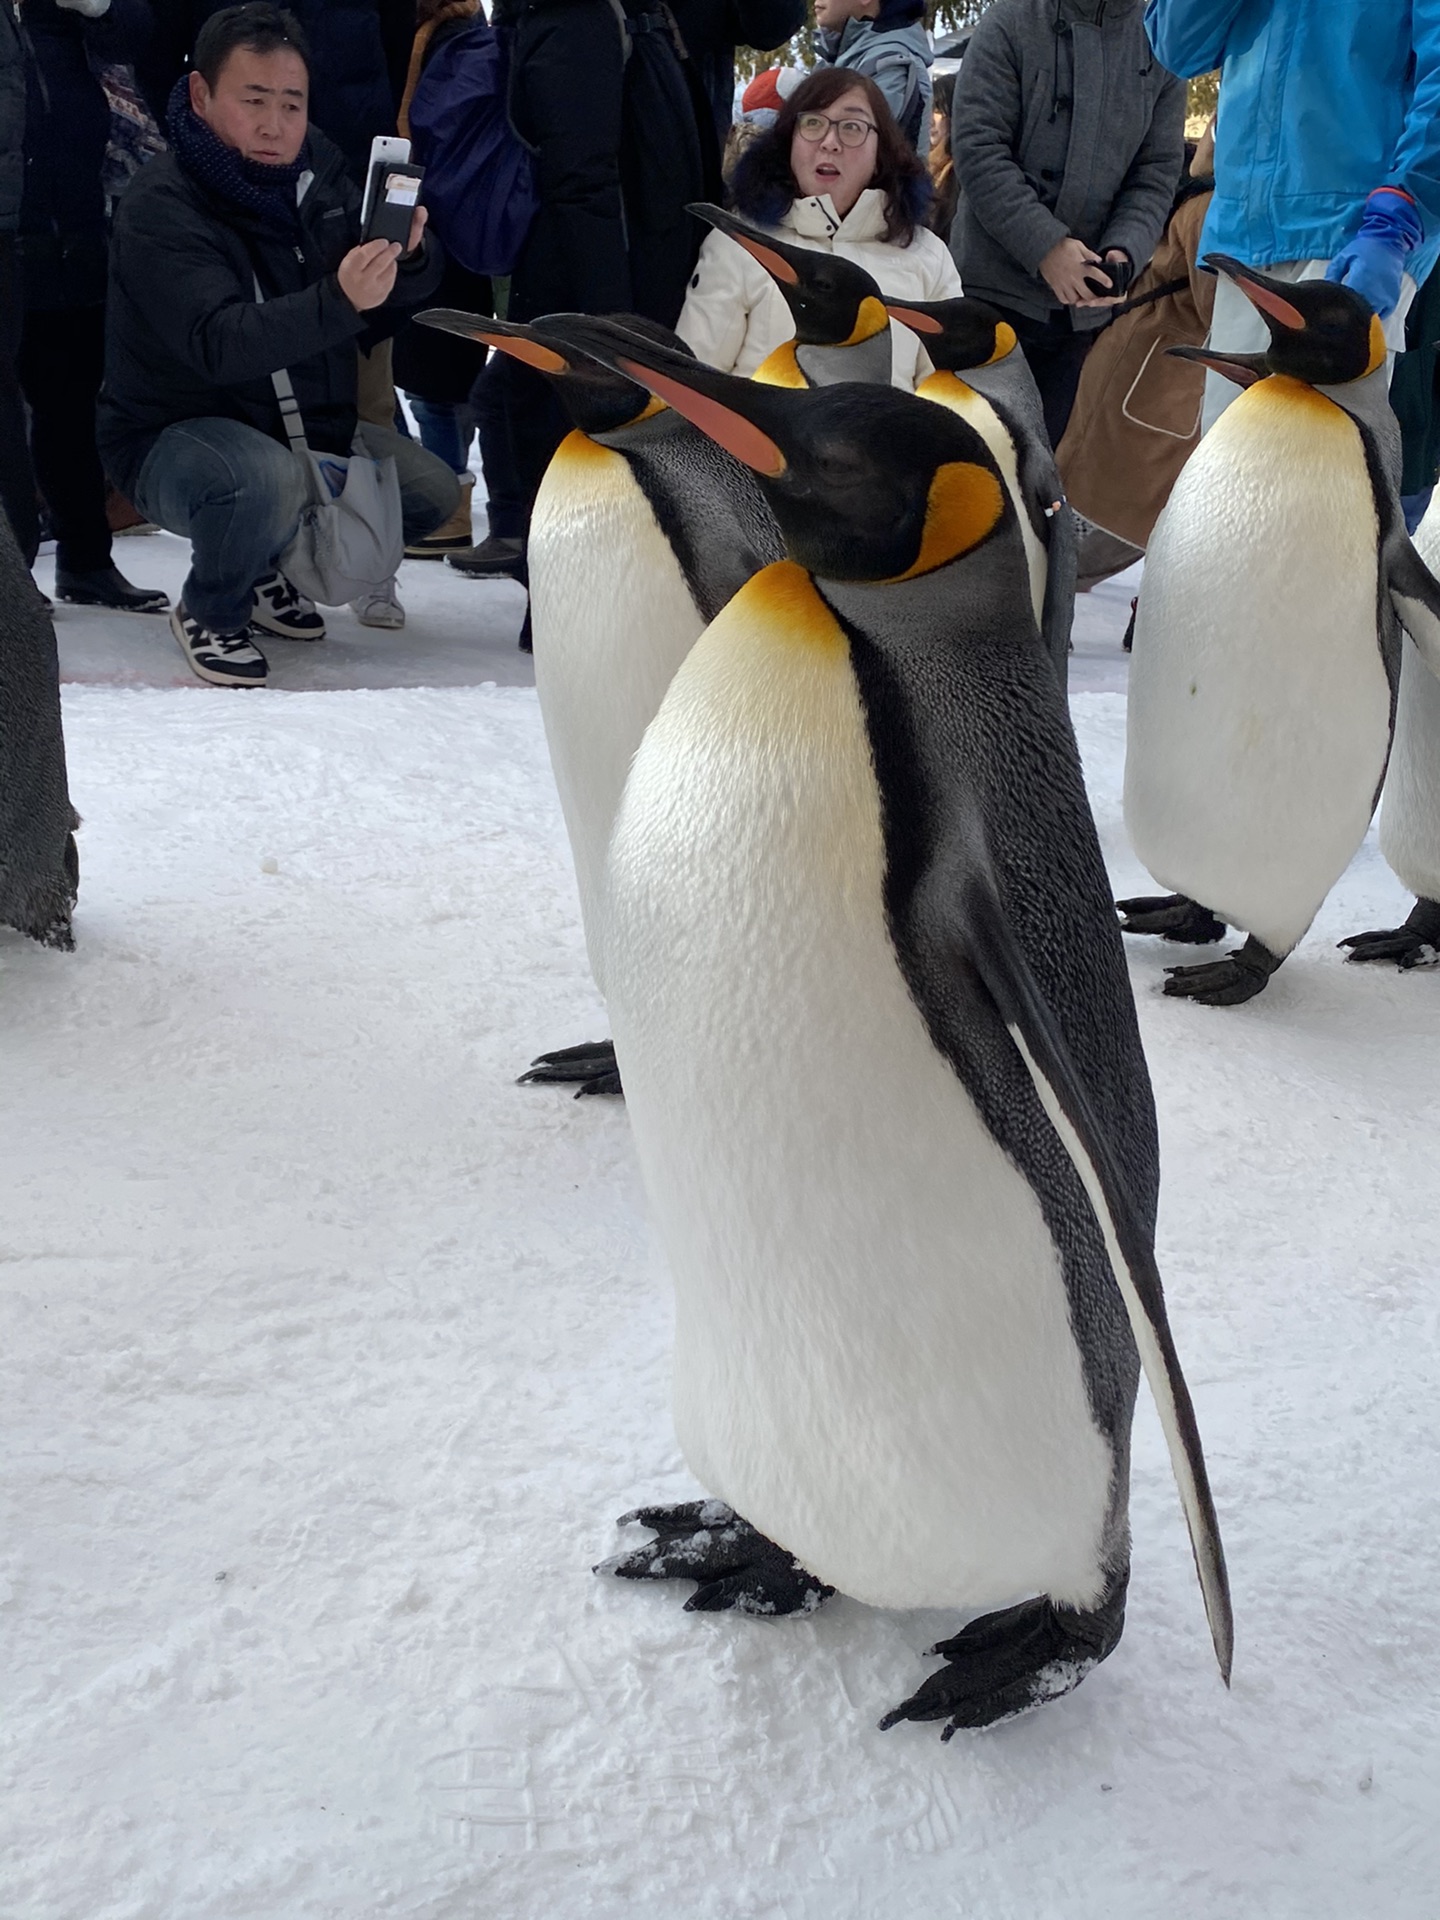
1069,141
17,477
885,40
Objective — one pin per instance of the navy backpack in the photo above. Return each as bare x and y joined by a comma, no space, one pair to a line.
479,174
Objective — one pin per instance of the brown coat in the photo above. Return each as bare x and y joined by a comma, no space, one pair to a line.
1137,414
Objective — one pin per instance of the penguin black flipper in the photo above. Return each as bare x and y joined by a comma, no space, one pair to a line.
984,940
1414,592
737,1569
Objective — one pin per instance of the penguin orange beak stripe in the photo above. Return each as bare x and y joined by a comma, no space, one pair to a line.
1258,290
508,336
777,268
727,428
530,351
1272,304
1243,368
917,322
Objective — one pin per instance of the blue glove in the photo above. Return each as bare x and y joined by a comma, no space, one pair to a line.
1375,259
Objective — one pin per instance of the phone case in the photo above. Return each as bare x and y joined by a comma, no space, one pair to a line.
395,192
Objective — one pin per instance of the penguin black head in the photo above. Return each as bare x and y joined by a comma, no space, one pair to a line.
833,302
1320,332
597,398
867,482
957,334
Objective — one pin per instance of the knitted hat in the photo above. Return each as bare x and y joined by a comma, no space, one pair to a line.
769,91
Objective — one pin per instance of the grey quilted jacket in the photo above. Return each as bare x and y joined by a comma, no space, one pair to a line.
1064,123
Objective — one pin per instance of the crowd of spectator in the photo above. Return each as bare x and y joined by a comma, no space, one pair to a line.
187,301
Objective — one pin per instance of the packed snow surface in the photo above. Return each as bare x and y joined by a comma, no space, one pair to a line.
330,1356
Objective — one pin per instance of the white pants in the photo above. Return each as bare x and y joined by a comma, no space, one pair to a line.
1237,327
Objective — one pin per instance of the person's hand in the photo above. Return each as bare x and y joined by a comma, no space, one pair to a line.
1374,262
417,231
1120,271
367,274
1063,271
90,9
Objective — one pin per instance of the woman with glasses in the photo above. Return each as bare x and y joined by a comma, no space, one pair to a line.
834,173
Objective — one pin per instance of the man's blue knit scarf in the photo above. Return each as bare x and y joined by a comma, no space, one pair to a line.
266,191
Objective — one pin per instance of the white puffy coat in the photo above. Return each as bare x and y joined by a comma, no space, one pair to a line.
735,314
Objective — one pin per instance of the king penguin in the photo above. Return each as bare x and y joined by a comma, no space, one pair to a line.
642,529
1267,640
1410,808
884,1073
842,331
981,374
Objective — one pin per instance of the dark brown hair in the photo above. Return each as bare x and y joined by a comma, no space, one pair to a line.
763,186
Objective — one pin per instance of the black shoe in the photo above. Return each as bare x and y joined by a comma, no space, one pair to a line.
284,611
225,659
496,558
108,587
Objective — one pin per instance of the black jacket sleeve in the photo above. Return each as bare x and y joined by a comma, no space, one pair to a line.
200,308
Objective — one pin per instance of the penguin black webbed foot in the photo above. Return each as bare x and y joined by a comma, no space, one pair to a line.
590,1068
738,1569
1416,944
1005,1664
1173,917
1228,982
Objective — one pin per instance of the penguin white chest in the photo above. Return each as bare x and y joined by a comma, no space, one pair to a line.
613,618
1259,710
874,1358
1410,812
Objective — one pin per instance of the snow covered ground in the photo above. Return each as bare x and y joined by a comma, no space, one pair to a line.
330,1356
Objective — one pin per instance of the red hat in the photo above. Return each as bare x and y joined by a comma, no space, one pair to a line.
771,89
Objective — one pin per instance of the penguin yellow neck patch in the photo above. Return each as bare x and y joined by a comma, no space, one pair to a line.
780,368
1378,348
871,319
1006,341
964,504
578,451
948,388
784,598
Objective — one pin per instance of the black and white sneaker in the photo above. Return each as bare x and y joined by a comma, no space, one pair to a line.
284,611
226,659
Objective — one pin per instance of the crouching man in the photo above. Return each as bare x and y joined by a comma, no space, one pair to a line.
190,424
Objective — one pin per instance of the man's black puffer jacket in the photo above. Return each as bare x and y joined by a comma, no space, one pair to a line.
185,339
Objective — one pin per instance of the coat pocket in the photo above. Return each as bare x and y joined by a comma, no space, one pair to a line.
1166,395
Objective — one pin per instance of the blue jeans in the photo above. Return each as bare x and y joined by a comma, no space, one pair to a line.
446,428
237,496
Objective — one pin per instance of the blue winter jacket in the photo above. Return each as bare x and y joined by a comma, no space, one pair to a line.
1320,102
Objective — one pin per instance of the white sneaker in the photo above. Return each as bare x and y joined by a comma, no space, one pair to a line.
225,659
284,611
380,609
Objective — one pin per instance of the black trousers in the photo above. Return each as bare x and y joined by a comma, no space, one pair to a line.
17,476
1056,353
62,362
520,423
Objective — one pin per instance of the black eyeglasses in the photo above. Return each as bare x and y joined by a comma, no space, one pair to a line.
852,133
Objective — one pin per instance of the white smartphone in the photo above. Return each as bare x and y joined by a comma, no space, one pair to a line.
384,148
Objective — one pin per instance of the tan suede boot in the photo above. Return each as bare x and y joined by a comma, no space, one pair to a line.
455,535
